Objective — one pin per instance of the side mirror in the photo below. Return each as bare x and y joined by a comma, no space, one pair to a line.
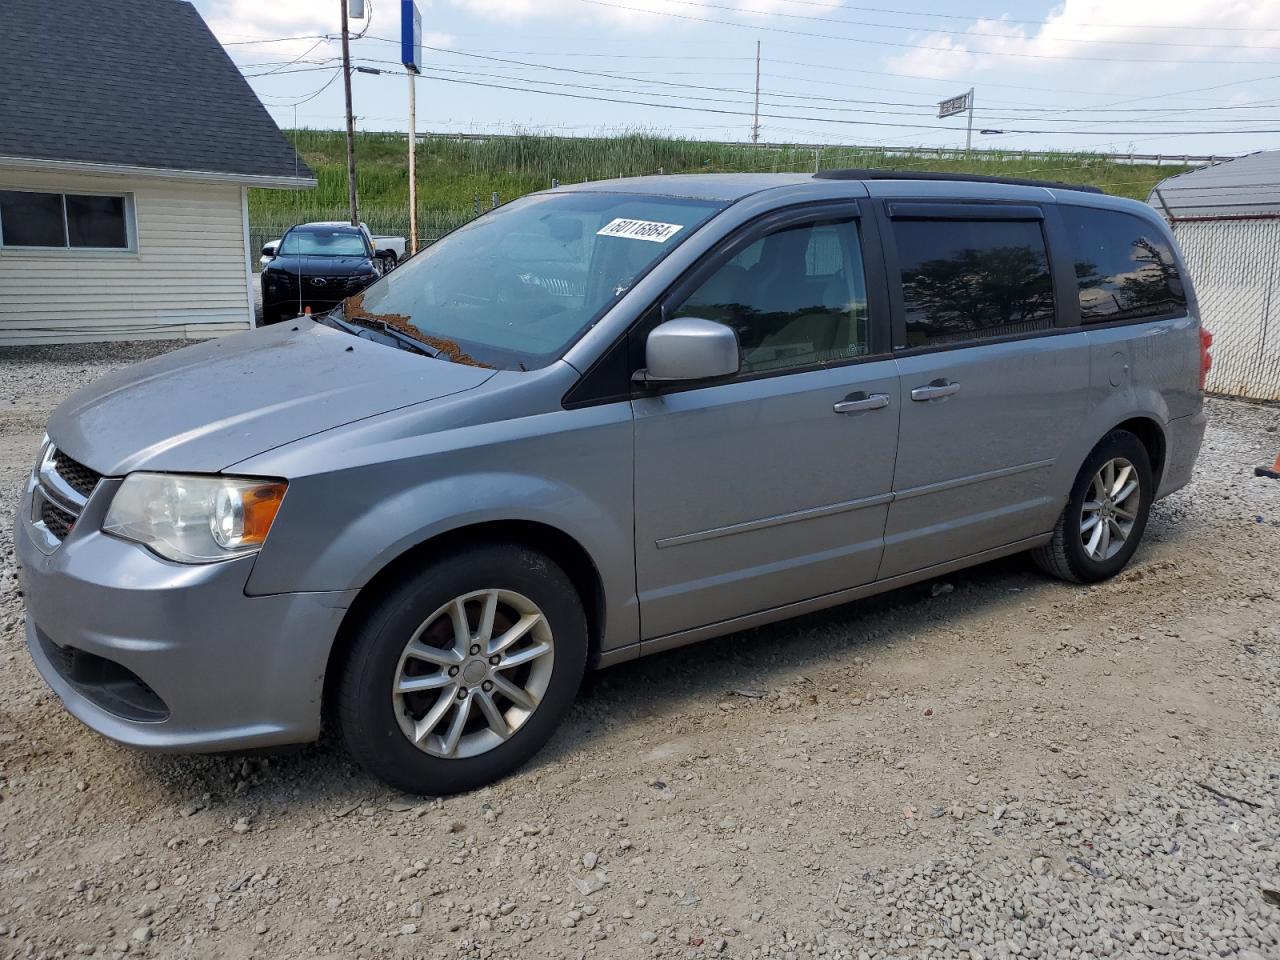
690,348
269,249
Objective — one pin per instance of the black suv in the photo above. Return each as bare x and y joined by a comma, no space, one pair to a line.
317,265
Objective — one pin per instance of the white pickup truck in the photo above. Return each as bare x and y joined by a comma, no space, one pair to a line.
390,250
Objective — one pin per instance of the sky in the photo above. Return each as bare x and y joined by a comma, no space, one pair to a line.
1147,76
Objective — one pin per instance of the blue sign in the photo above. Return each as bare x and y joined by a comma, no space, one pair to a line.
410,36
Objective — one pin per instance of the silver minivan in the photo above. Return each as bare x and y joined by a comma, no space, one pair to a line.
601,422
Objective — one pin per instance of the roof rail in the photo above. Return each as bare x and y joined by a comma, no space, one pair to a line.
885,174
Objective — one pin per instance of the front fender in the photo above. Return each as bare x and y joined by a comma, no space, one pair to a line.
568,470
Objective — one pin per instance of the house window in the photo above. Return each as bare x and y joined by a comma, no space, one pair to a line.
75,221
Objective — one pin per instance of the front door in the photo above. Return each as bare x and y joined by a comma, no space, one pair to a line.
772,487
991,387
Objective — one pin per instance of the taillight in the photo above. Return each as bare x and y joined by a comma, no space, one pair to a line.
1206,359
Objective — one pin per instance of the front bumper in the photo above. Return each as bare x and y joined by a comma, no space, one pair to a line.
285,294
230,671
293,307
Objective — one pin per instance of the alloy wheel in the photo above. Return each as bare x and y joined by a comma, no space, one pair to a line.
1107,518
473,673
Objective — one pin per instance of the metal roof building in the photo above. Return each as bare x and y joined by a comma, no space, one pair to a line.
1227,221
1245,187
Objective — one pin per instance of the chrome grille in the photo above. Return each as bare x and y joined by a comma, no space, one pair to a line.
56,520
58,489
79,477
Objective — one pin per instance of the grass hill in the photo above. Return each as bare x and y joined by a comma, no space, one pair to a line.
457,176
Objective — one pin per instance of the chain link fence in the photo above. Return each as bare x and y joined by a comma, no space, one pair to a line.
1235,266
392,222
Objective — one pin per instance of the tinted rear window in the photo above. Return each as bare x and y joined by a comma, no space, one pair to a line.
973,279
1124,266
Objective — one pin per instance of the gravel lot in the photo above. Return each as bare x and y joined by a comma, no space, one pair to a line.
1011,768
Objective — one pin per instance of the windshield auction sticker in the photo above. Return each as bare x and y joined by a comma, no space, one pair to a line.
639,230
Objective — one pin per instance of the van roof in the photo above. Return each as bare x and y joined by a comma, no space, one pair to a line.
729,187
882,174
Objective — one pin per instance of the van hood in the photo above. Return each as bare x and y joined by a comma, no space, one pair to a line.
306,265
205,407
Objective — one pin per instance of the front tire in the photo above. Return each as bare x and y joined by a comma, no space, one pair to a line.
1106,514
463,670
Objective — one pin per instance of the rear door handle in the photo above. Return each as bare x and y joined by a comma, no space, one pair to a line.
857,402
935,389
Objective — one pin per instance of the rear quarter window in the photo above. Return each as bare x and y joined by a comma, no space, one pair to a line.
1125,268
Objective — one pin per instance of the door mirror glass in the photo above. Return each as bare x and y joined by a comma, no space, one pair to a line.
269,249
690,348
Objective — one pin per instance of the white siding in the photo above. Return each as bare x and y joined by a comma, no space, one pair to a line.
186,278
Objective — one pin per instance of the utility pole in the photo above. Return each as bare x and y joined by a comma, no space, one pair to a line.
968,137
755,123
413,161
351,123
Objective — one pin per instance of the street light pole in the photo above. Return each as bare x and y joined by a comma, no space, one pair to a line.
351,123
968,137
755,122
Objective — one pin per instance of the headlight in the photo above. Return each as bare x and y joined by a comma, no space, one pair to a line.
194,519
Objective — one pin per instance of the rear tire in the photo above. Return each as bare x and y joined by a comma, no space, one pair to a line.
1104,519
424,701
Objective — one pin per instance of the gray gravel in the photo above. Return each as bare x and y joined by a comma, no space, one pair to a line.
994,765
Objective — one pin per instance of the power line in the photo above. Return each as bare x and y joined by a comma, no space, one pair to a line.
842,69
1117,103
895,44
805,106
922,109
771,116
306,36
840,120
337,72
741,11
1041,23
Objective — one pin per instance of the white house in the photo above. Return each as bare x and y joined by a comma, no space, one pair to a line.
128,144
1227,222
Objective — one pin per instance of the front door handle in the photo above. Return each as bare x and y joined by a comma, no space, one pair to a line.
935,389
857,402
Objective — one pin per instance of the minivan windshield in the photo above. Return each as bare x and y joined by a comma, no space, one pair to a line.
323,242
516,287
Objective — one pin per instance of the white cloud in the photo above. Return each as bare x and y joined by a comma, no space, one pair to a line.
645,14
236,21
1102,29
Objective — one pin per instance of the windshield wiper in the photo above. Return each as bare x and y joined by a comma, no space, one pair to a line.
362,326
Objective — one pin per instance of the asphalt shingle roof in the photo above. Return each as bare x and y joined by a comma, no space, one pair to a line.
135,82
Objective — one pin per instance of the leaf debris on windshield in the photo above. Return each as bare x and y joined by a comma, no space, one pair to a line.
354,309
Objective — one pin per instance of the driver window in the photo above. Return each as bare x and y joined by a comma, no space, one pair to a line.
796,297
